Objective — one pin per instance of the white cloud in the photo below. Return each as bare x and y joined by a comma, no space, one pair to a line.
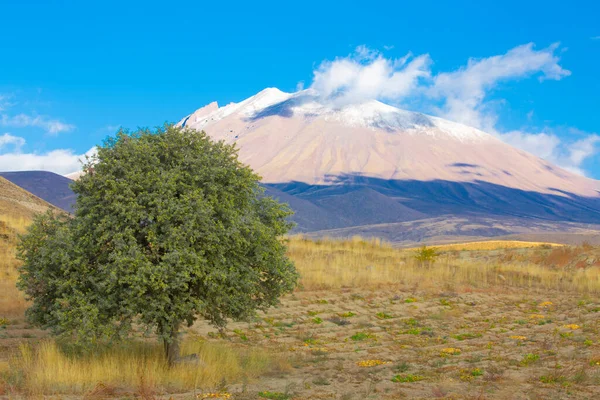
547,145
460,95
60,161
581,150
4,103
463,91
366,75
51,126
15,141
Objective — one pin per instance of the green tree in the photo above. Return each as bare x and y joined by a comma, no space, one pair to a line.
169,226
426,255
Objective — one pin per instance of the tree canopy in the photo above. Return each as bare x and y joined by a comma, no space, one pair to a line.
169,226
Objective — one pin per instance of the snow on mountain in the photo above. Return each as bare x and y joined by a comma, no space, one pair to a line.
299,137
370,114
74,175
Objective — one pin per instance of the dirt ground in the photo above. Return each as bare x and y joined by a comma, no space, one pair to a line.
350,344
388,344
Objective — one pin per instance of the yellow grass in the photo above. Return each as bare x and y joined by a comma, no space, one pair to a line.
46,369
492,245
323,264
328,264
12,302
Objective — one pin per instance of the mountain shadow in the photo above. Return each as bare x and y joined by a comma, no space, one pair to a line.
406,200
354,204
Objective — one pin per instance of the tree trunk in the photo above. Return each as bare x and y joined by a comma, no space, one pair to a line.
171,346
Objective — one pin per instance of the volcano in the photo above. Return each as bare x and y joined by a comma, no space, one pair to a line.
357,166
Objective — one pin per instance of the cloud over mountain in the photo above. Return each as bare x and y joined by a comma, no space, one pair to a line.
461,95
60,161
367,75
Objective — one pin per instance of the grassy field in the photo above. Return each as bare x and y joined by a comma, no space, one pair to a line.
331,264
367,322
12,303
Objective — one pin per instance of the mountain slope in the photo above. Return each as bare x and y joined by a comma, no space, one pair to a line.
48,186
453,229
16,203
366,164
297,137
17,209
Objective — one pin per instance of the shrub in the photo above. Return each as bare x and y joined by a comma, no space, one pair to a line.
426,255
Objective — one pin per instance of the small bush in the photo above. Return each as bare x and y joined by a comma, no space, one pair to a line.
426,255
465,336
347,314
529,359
360,336
407,378
382,315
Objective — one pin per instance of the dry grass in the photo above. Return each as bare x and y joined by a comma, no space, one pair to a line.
12,302
48,369
377,274
493,245
17,209
330,264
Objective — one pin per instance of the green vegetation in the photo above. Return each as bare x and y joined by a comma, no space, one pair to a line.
360,336
166,215
347,314
274,395
465,336
407,378
426,255
529,359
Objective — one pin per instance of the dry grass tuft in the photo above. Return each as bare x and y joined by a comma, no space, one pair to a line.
48,369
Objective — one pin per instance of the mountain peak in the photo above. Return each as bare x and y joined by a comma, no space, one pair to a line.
304,137
308,105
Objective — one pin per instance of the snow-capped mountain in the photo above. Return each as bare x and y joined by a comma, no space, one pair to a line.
298,137
373,169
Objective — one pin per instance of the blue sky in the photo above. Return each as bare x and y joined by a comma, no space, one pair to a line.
71,72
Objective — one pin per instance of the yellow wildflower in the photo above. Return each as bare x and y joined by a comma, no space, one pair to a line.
546,304
371,363
537,316
216,395
451,351
319,350
571,326
517,337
